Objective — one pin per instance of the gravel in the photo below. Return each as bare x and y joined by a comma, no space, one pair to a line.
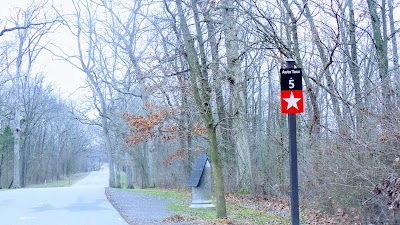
142,209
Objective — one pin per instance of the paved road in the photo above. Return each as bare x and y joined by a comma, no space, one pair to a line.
82,204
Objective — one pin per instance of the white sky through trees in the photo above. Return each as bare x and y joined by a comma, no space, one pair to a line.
65,78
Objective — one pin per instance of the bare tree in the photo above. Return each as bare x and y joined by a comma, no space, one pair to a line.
238,86
380,39
393,37
127,31
83,27
202,95
29,47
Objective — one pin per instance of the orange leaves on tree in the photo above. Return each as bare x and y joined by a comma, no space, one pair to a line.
142,128
169,132
180,154
199,129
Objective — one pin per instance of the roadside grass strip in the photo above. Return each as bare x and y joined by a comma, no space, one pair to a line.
66,182
238,213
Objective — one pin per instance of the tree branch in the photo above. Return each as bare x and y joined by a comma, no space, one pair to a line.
5,30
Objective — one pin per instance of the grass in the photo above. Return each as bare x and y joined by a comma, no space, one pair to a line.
238,213
123,179
179,202
242,215
67,182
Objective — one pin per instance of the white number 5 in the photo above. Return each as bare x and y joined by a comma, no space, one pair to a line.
291,83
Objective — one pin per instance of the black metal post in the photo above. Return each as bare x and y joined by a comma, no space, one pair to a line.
294,180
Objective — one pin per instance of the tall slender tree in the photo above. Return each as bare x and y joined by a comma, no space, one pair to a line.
202,95
238,91
29,33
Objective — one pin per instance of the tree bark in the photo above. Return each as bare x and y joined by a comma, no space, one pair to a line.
227,142
240,127
105,128
315,125
380,41
201,91
17,116
393,37
325,60
354,68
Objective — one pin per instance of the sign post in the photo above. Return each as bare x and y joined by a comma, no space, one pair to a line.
292,103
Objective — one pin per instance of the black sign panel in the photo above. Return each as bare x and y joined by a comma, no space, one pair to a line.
197,170
291,79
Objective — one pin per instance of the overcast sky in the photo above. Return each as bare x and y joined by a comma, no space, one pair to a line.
65,78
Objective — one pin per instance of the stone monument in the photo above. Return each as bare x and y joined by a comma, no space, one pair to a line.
201,182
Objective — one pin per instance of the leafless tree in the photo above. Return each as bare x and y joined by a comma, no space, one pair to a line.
29,35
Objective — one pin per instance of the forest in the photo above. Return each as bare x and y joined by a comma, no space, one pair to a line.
170,79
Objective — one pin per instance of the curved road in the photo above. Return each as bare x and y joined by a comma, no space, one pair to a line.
84,203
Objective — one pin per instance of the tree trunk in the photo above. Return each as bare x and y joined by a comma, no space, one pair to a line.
216,167
24,163
17,140
354,68
118,183
394,47
380,41
227,143
105,127
129,176
109,149
315,125
17,115
325,60
1,169
240,126
201,92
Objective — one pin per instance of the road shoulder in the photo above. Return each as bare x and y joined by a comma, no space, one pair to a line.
139,208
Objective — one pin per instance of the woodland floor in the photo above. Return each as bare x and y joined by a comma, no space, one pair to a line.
143,208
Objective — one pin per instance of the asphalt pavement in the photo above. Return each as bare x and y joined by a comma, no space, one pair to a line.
84,203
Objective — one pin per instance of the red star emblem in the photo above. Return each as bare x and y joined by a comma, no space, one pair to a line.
292,101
